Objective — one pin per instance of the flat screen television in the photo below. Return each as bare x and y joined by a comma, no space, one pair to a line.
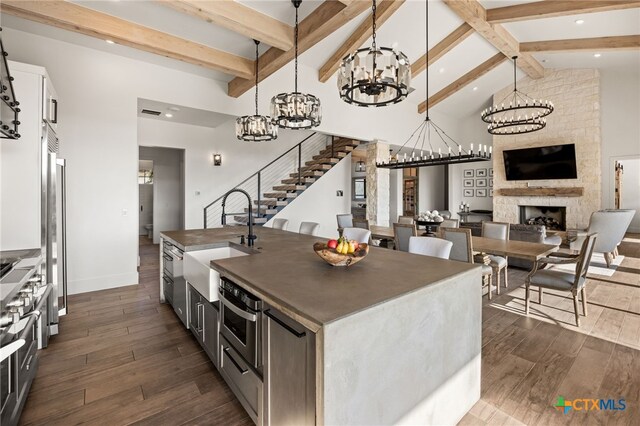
545,162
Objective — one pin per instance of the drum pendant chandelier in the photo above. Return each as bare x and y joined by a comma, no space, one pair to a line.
374,76
256,128
522,115
296,110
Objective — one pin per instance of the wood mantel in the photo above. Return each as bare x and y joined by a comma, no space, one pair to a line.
542,192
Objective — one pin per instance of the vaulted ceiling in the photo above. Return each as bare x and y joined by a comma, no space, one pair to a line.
469,40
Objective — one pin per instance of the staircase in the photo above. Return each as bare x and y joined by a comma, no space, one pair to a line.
284,179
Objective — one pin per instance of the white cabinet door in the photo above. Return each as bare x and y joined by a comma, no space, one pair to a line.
20,168
50,104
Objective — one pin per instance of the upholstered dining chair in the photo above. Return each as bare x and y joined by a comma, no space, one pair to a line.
462,250
309,228
450,223
401,234
361,223
561,280
344,221
430,246
280,224
406,220
358,234
610,225
497,231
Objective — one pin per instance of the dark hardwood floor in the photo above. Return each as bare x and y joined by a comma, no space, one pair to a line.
122,357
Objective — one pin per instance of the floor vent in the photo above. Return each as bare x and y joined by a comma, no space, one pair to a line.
150,112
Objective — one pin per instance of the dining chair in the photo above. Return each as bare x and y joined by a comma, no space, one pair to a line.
406,220
430,246
309,228
497,231
561,280
344,221
358,234
462,250
450,223
401,234
280,224
361,223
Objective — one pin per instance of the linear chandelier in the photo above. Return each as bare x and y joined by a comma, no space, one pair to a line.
296,110
256,128
523,114
421,137
374,76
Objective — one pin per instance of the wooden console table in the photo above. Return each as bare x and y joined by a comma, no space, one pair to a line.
464,216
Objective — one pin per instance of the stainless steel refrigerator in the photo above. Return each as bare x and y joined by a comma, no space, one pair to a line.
53,232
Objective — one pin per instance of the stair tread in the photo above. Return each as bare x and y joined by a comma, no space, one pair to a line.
262,210
292,187
280,195
327,160
311,173
338,155
295,180
245,219
316,167
271,202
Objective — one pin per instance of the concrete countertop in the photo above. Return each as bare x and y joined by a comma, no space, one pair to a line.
286,273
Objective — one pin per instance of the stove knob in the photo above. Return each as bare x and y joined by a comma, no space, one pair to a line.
37,278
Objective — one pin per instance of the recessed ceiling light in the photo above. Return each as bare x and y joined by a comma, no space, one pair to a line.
544,60
110,41
441,70
475,88
596,55
168,115
579,21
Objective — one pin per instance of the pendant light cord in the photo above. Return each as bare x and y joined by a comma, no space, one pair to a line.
374,46
426,65
515,83
296,49
256,71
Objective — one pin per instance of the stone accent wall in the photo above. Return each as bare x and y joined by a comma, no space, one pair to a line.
576,119
378,184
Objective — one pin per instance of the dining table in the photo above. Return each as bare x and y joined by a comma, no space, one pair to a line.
521,249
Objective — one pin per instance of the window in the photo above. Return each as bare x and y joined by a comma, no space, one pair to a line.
359,188
145,176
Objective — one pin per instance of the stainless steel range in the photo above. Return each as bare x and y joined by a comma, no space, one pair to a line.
25,319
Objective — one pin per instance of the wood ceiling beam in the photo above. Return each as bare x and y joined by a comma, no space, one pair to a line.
385,9
472,12
549,9
472,75
629,42
323,21
71,17
439,50
238,18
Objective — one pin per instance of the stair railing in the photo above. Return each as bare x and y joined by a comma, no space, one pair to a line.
267,177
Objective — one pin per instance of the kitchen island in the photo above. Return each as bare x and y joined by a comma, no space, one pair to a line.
396,338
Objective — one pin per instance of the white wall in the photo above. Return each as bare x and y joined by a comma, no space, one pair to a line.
431,188
620,99
168,192
319,203
98,128
205,182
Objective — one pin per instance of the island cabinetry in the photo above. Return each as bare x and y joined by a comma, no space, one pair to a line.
179,299
289,370
203,322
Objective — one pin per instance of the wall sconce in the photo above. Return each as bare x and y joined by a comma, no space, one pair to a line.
217,159
360,166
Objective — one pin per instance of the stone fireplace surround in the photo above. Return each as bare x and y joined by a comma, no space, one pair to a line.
576,119
555,214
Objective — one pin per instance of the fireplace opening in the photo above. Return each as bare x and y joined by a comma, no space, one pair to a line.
552,217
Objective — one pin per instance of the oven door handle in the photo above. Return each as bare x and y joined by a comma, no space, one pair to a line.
243,314
10,349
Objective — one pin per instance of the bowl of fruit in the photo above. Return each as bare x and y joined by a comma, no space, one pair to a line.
341,252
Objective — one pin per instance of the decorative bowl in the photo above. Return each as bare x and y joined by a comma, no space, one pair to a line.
334,258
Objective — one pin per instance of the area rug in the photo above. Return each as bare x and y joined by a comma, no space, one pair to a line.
598,265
